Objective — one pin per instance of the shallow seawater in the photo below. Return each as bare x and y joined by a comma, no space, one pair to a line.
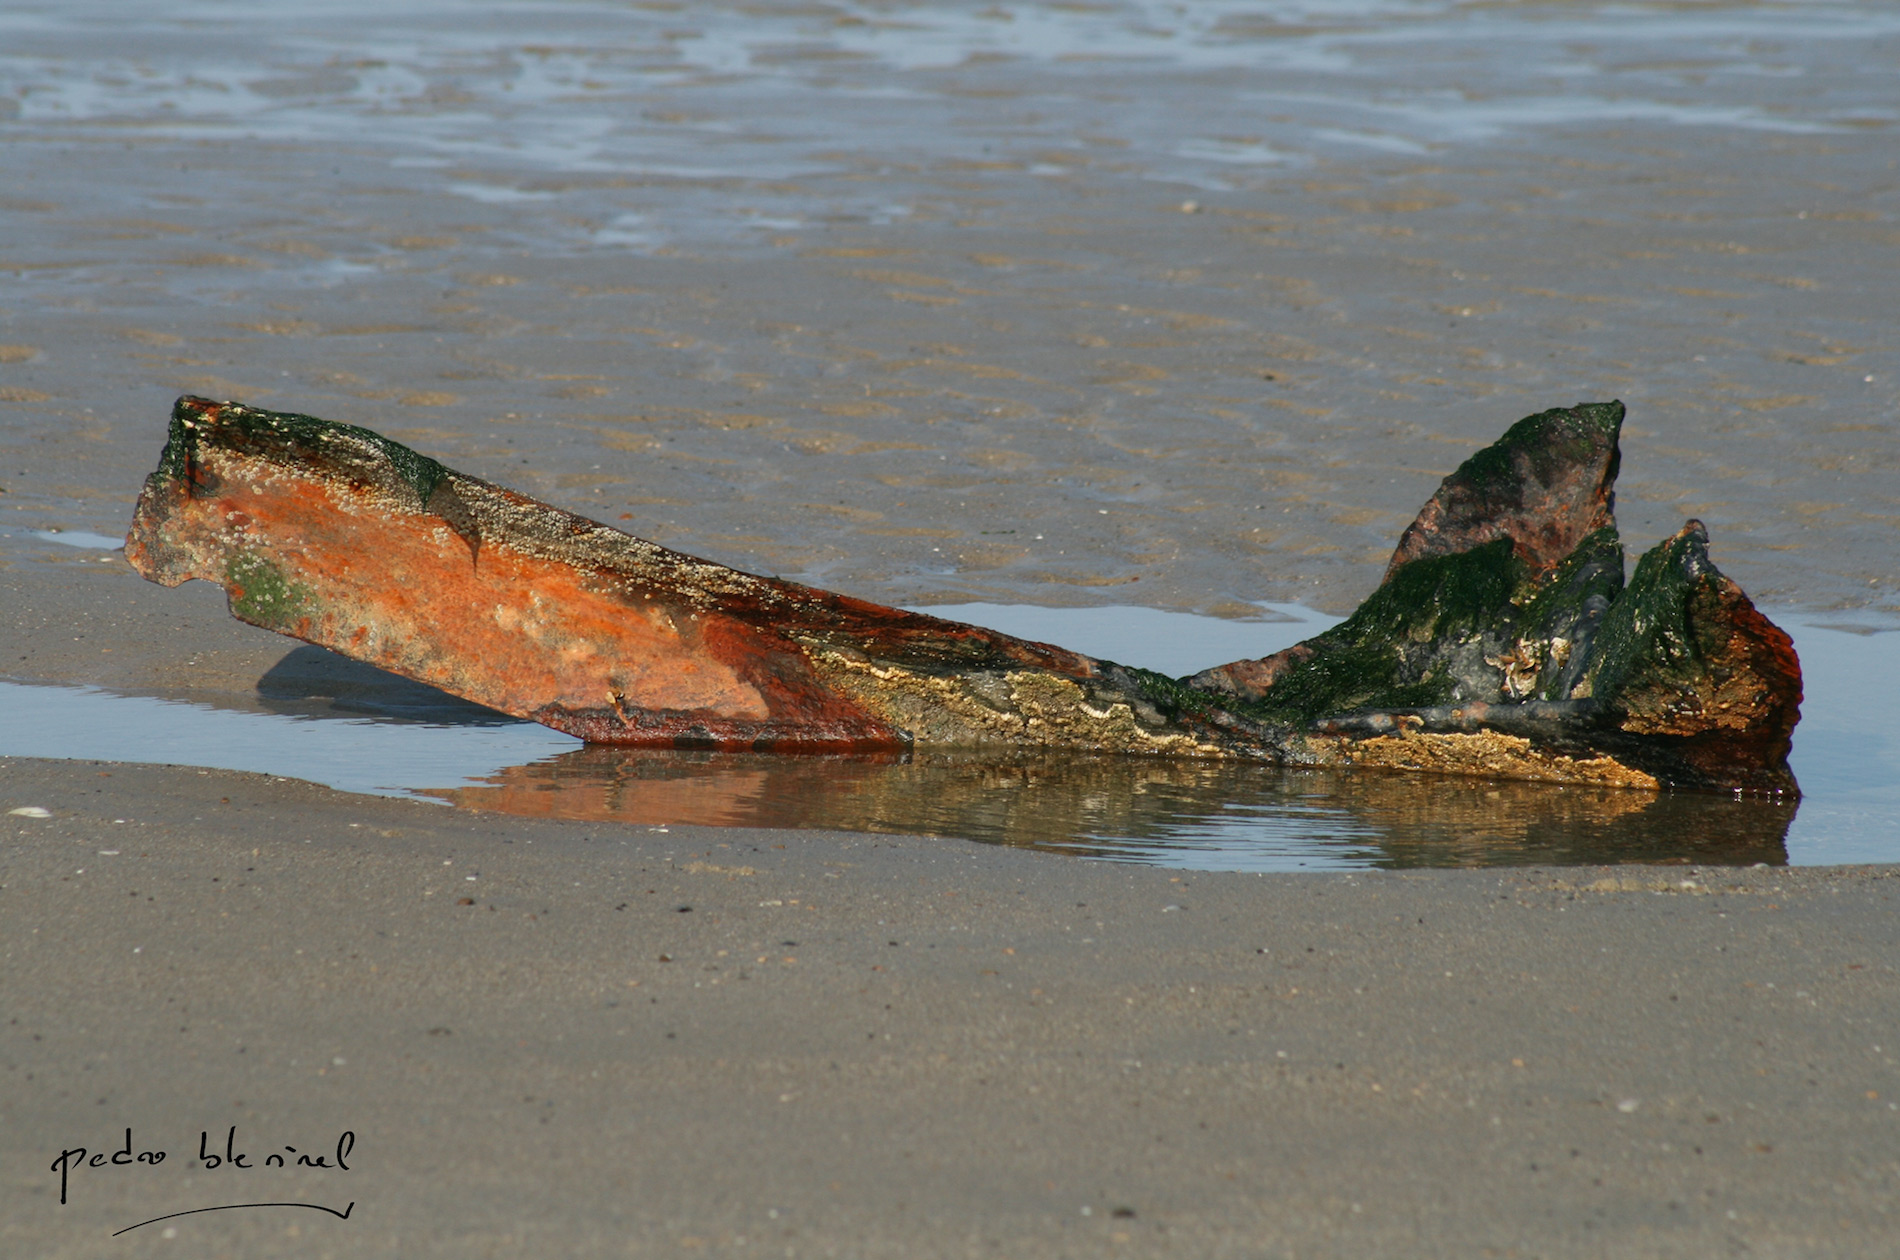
503,103
359,730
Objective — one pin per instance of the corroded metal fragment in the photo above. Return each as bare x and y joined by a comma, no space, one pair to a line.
1501,642
1504,615
1546,485
343,538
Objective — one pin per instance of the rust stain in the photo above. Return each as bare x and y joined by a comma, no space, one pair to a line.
517,605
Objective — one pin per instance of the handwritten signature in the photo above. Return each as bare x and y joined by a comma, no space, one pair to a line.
130,1154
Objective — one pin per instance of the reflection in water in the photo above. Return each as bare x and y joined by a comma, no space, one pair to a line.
356,728
1177,813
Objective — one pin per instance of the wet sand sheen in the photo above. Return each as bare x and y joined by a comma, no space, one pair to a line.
951,335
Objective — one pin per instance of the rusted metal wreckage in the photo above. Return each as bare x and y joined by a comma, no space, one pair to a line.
1504,639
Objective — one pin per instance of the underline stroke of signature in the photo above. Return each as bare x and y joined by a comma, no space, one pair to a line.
344,1215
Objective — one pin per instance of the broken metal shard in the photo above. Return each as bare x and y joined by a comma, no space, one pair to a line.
1503,640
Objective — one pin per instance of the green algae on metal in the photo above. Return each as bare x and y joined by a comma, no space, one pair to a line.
1564,614
1397,649
263,595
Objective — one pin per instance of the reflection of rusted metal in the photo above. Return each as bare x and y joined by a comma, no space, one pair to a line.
1058,800
1502,642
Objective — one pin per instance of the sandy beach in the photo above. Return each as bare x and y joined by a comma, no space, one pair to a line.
1185,308
562,1039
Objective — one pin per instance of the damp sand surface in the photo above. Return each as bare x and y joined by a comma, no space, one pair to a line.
1052,305
588,1039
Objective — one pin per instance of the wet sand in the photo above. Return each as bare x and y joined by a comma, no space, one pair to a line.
1059,306
855,1045
925,318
